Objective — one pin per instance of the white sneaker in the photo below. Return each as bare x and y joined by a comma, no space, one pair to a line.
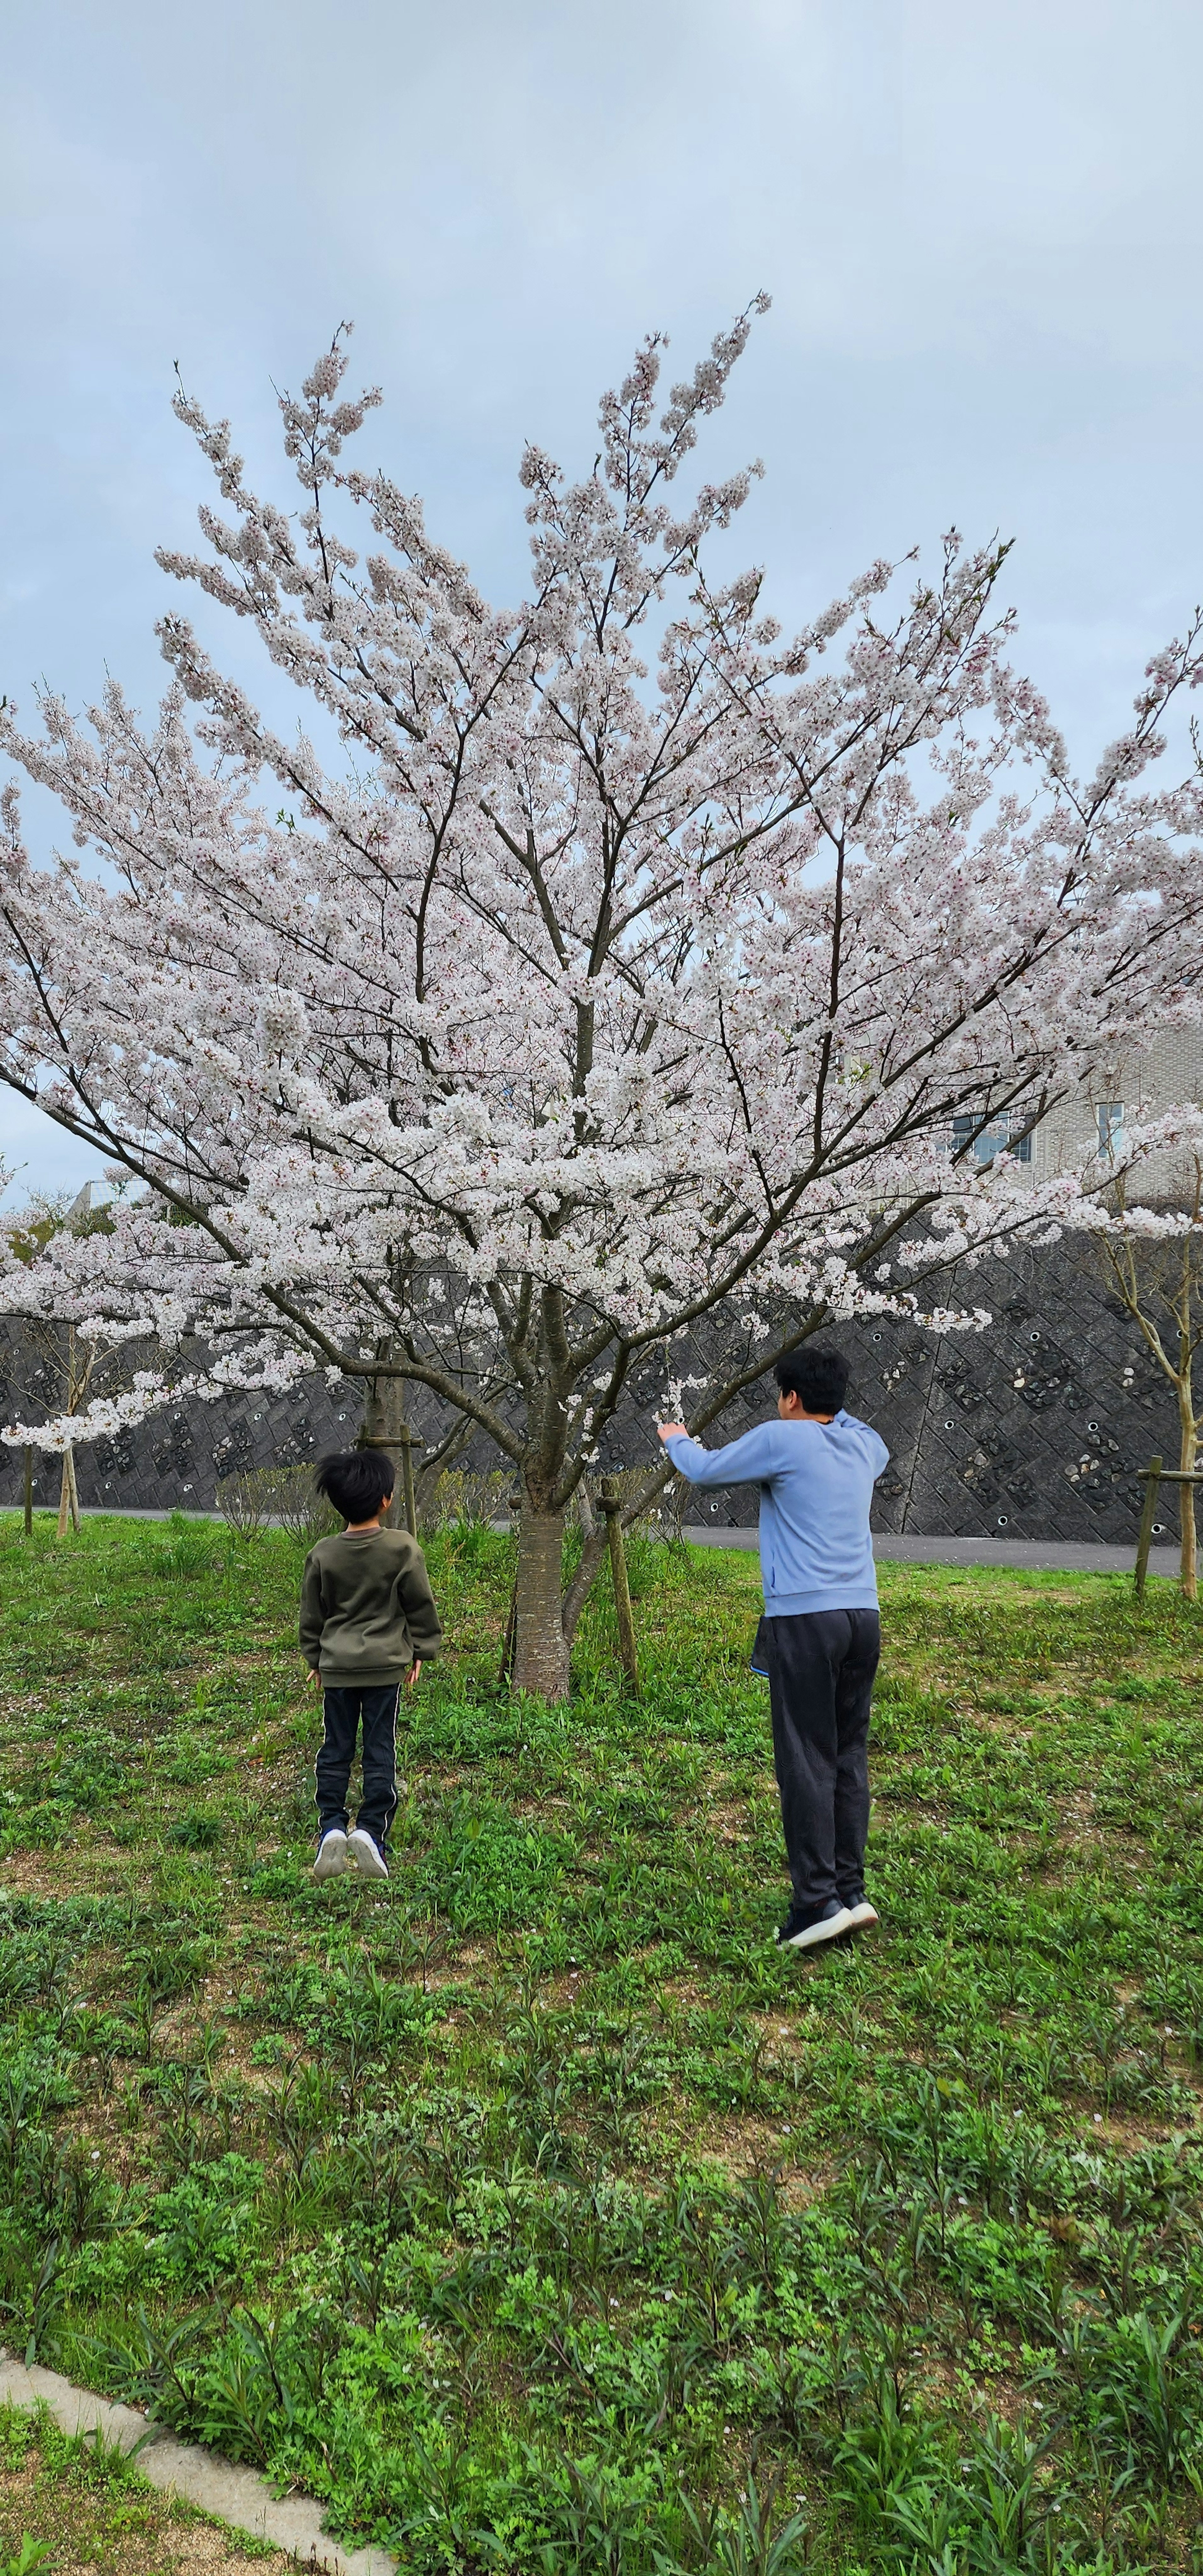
802,1931
369,1860
862,1916
331,1854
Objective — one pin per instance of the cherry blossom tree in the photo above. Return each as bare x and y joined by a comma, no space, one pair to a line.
73,1372
1147,1226
631,960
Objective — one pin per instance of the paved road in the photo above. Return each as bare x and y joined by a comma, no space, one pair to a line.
1065,1556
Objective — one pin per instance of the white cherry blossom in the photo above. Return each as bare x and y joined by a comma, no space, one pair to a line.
635,958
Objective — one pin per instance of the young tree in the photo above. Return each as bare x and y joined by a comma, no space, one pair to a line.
635,960
72,1367
1153,1261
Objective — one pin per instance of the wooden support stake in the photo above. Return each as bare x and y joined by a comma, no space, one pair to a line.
407,1478
406,1441
28,1491
508,1642
1152,1479
612,1507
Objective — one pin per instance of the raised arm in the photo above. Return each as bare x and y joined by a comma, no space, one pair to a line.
743,1462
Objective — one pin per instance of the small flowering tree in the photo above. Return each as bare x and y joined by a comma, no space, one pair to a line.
1152,1260
632,959
71,1368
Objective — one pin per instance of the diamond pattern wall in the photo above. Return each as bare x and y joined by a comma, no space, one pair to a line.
1033,1429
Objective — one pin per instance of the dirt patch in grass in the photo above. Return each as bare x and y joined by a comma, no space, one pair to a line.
114,2522
79,1867
206,2550
726,1821
744,2144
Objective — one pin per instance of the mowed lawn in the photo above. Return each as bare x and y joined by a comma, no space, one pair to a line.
532,2210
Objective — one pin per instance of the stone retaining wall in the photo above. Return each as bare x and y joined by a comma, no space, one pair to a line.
1033,1429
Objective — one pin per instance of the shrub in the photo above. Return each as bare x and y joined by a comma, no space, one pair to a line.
467,1500
285,1495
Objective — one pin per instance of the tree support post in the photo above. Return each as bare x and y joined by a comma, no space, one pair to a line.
1151,1479
505,1669
1152,1476
401,1442
409,1442
612,1507
28,1491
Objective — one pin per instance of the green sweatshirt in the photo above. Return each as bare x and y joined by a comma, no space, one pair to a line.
367,1610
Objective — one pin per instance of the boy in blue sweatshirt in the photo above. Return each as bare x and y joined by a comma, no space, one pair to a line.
820,1636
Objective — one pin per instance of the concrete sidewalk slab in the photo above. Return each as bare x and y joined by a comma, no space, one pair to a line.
232,2493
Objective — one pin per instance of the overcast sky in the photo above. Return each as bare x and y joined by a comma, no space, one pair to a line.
979,221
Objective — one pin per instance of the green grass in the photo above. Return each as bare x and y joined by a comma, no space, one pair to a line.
531,2209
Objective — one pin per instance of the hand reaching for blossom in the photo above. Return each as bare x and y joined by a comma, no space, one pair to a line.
669,1430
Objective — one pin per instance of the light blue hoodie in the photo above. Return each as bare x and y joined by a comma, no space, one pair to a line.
816,1484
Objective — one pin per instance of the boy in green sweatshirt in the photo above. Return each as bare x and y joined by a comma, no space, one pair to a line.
368,1624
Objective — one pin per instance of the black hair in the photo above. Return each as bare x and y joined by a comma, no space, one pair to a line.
356,1481
819,1378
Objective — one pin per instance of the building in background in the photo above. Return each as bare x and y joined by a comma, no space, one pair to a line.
1091,1127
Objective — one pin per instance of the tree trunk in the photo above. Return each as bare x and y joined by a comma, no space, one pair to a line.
385,1427
540,1645
68,1500
77,1388
1188,1451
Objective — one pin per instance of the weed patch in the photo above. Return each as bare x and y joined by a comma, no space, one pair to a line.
532,2210
71,2502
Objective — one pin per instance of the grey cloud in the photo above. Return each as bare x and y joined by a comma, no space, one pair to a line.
980,227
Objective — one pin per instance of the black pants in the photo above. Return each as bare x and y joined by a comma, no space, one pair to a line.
344,1710
820,1666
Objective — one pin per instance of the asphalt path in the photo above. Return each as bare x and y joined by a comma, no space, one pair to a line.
1054,1555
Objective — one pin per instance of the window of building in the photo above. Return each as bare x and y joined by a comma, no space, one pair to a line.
994,1138
1109,1120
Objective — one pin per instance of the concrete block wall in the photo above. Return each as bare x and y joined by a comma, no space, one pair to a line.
1033,1429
